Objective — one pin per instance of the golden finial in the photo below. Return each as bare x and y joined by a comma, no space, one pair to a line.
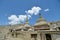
40,15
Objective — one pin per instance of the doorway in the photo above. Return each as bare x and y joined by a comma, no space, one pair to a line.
48,37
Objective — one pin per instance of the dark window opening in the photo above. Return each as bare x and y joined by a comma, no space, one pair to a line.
34,36
59,28
12,34
18,29
10,30
25,30
48,37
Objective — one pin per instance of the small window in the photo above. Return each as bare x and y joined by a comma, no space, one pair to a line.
12,35
48,37
59,28
33,35
10,30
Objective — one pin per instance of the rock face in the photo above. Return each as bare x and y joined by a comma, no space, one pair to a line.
5,29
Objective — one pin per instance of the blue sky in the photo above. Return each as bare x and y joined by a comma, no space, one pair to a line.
18,7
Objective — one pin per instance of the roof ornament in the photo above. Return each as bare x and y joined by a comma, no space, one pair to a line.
40,15
26,18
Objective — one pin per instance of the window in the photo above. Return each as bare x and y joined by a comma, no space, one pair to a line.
59,28
48,37
34,36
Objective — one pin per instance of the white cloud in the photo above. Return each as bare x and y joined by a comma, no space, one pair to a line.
22,17
16,20
13,19
29,16
13,22
34,10
46,10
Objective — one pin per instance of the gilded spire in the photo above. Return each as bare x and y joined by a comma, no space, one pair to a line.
41,21
27,23
40,15
27,19
40,18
